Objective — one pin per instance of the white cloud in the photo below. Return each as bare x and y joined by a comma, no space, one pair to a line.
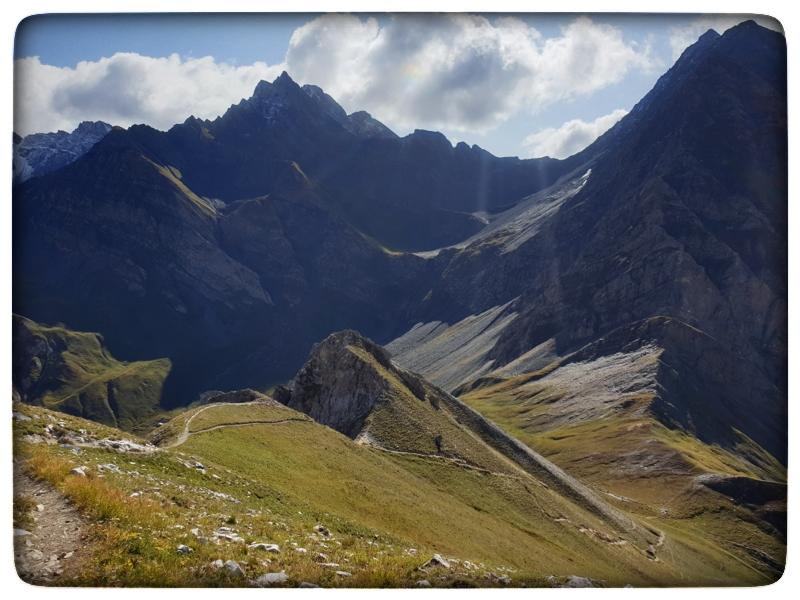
129,88
683,36
571,137
461,73
457,72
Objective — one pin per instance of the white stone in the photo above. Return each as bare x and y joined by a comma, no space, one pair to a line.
271,579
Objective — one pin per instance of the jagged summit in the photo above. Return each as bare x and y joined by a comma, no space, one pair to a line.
326,103
708,36
41,153
262,87
365,125
343,403
281,82
350,337
92,127
752,28
435,137
284,79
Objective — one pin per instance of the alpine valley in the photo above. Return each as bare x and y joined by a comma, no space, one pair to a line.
287,347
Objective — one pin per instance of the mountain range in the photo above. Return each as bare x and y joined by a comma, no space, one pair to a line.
611,325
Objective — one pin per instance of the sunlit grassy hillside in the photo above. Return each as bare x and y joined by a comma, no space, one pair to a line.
271,475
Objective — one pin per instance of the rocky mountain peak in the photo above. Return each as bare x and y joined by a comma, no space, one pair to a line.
349,337
284,80
340,383
326,103
41,153
431,137
708,36
365,125
263,88
282,85
98,128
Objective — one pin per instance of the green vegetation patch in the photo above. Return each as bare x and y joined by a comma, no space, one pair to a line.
73,372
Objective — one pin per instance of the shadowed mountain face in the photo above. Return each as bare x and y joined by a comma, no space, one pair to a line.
416,192
117,243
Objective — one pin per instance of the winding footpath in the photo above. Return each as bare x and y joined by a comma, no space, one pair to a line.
186,432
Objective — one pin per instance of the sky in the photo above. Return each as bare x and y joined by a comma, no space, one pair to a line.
517,85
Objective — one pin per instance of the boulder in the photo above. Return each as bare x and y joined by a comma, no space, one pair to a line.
229,535
274,548
437,561
268,579
574,581
234,568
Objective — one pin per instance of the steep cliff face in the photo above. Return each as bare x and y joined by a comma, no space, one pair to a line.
339,385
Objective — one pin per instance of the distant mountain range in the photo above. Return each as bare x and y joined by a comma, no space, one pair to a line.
41,153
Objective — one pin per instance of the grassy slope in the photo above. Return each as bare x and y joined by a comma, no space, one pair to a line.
291,475
647,469
86,380
237,414
403,422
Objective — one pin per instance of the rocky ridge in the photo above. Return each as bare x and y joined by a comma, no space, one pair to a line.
41,153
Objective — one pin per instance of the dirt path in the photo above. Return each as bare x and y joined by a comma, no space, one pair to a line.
245,423
459,462
49,545
184,435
